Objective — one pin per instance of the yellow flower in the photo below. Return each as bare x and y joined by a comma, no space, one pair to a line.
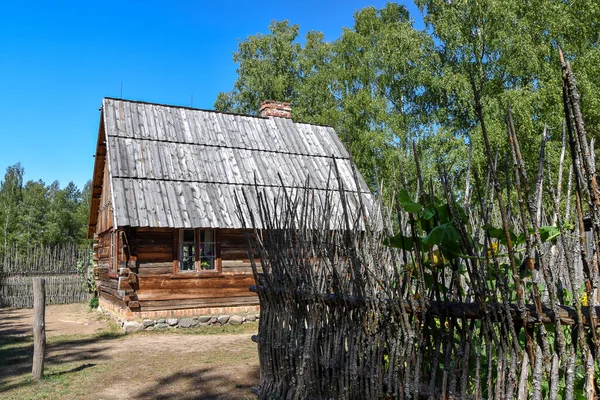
437,258
493,249
584,299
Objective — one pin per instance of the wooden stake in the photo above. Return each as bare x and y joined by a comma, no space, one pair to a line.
39,327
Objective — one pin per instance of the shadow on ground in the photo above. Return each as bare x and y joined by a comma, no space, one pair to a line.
16,356
9,326
202,384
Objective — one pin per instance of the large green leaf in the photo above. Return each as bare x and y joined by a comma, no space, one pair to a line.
407,204
498,233
443,213
400,241
446,237
428,212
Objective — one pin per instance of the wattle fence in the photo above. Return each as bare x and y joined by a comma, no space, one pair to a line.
436,297
63,267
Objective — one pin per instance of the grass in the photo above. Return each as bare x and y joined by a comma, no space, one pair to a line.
109,364
220,330
15,366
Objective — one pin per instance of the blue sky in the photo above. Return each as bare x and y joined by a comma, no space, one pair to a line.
58,59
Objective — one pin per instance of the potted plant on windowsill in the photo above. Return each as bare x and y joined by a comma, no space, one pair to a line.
205,265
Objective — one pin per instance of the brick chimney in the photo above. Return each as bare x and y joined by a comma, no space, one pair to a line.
271,108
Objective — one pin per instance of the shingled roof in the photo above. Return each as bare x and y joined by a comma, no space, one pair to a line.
181,167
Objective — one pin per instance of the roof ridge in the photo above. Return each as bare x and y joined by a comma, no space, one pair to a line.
207,110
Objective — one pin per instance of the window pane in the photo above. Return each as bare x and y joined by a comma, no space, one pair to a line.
188,257
207,236
188,235
207,249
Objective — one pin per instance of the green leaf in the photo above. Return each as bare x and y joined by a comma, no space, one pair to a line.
495,233
428,212
498,233
567,226
548,233
519,239
545,386
443,212
446,237
567,296
400,241
407,204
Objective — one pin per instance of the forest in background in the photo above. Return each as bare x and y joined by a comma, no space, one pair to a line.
384,85
34,213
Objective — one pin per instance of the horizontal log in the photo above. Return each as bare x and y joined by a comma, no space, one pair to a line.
234,255
152,239
147,268
154,248
150,264
112,292
141,230
214,302
182,294
156,257
133,304
124,283
109,283
146,272
196,281
113,299
567,315
226,269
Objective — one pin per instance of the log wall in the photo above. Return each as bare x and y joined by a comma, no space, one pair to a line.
107,281
146,278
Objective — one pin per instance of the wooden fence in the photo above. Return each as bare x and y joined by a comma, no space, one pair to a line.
64,268
493,300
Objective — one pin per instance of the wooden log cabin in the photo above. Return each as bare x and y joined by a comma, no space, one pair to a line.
168,236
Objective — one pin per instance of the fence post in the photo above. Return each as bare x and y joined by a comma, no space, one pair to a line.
39,327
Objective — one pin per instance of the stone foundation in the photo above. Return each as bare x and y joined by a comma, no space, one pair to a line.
132,321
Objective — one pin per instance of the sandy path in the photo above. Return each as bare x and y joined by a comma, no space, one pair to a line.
146,365
63,319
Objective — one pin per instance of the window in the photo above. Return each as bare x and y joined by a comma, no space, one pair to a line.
206,247
197,250
187,253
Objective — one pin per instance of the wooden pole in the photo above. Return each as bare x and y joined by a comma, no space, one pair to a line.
39,327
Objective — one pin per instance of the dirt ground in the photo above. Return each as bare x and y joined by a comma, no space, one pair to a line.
64,319
88,358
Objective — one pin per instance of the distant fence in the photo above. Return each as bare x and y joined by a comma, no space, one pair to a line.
64,268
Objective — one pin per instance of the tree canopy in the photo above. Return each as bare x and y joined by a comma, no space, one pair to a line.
384,84
33,213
